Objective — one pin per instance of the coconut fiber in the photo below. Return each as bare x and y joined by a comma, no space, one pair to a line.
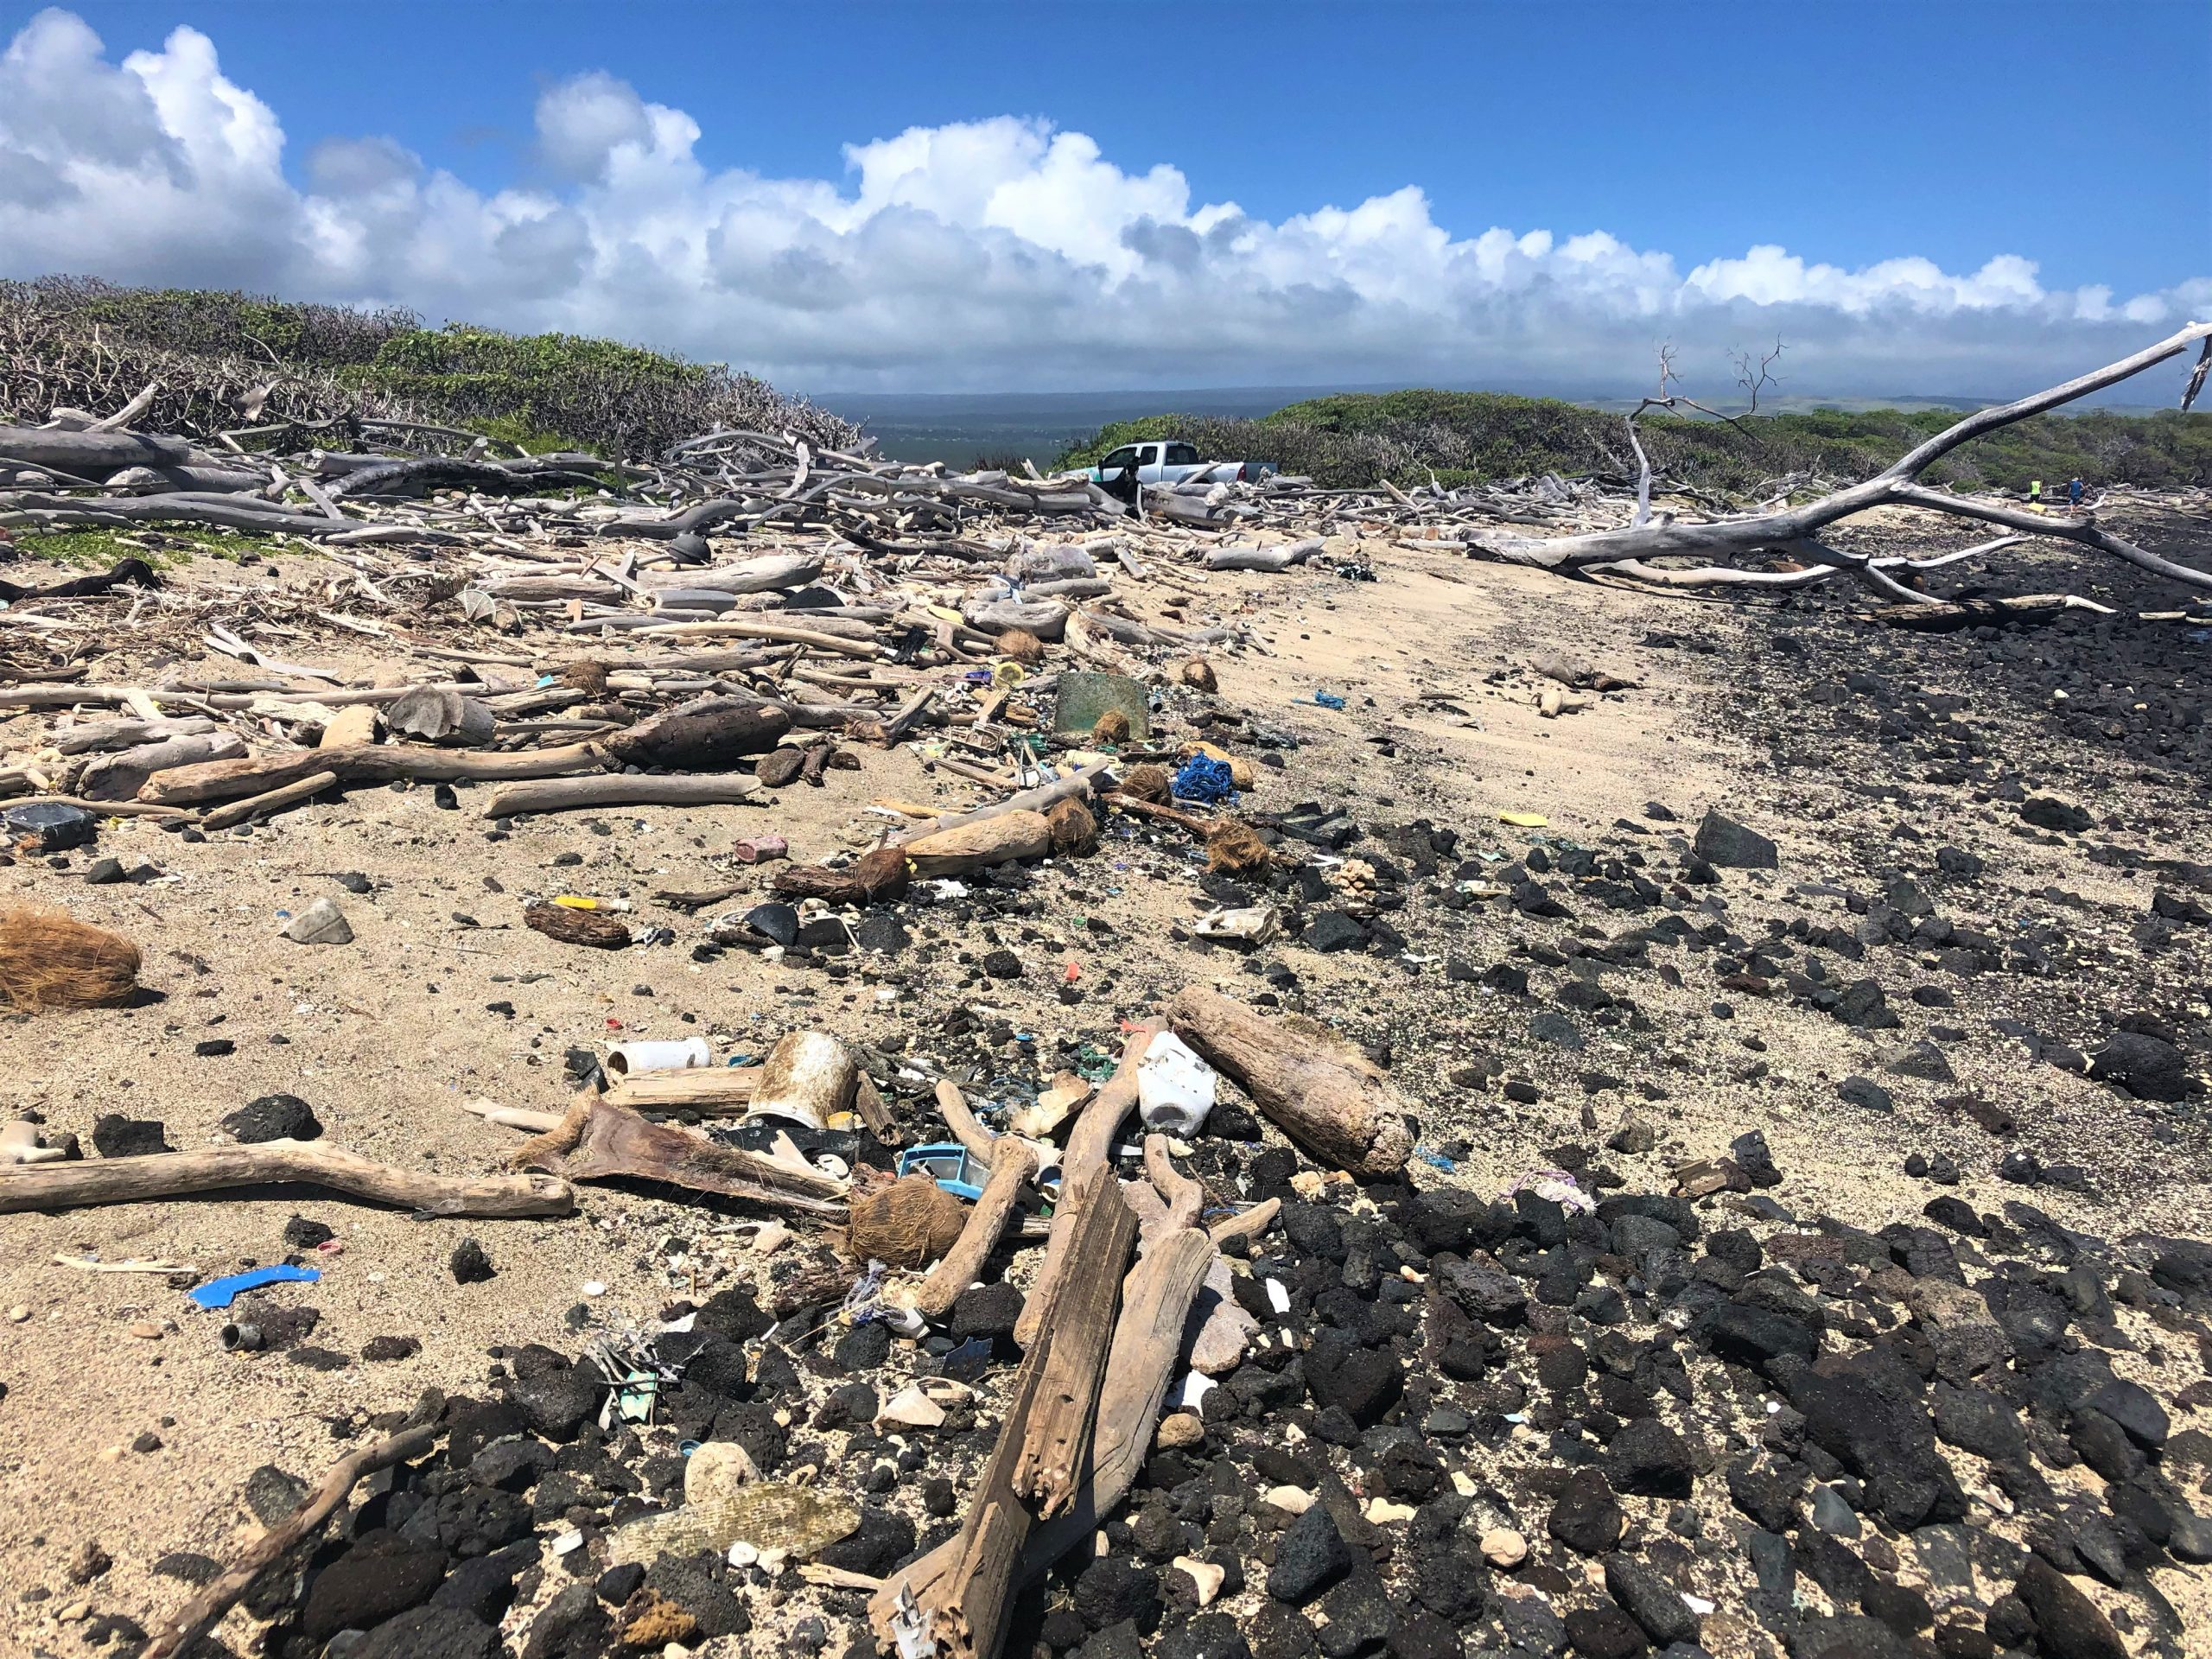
50,960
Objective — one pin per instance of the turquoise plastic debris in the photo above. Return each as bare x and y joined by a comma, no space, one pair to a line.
220,1293
949,1163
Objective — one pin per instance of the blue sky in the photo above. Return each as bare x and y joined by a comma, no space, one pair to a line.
1133,194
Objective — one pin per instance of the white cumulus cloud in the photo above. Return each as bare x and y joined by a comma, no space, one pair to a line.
993,253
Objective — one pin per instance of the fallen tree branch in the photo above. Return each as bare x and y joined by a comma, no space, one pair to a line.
1898,485
172,1174
177,1634
617,1143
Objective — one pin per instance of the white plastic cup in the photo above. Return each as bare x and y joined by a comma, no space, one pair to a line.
623,1058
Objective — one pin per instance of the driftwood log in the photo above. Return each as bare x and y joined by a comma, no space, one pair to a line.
708,734
1079,1328
616,1143
616,789
172,1174
178,1633
709,1090
1077,785
273,800
1088,1146
1012,1164
872,878
120,776
1054,1396
1149,1339
1951,615
979,845
1312,1083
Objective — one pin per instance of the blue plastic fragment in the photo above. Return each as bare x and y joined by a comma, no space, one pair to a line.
1203,779
967,1362
1435,1160
1328,700
218,1292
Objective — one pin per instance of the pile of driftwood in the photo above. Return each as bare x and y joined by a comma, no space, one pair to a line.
852,556
1131,1291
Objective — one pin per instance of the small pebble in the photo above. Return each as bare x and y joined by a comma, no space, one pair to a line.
1502,1547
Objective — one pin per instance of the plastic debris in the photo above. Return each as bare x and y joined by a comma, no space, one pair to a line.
1524,820
1203,780
951,1165
320,923
220,1293
1256,925
967,1363
1558,1186
1175,1088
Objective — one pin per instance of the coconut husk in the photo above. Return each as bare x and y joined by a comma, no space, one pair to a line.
869,879
1112,727
1197,674
1147,783
50,960
1074,831
596,928
1234,848
1021,647
587,675
909,1224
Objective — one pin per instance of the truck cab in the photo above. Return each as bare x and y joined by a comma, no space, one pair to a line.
1170,461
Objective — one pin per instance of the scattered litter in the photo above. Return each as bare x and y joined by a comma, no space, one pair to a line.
320,923
1524,820
951,1165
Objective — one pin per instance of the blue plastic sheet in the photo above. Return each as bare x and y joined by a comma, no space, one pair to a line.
220,1293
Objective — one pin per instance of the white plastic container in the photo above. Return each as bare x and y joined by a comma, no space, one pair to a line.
623,1058
1174,1087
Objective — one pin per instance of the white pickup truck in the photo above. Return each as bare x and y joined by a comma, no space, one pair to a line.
1172,461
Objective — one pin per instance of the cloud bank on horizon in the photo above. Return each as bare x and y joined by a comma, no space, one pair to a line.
997,253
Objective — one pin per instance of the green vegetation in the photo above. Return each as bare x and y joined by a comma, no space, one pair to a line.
161,545
91,345
1359,439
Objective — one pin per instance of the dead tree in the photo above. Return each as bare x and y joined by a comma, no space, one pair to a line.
1755,375
1797,531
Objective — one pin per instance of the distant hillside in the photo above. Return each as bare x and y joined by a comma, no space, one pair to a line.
89,345
1360,438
